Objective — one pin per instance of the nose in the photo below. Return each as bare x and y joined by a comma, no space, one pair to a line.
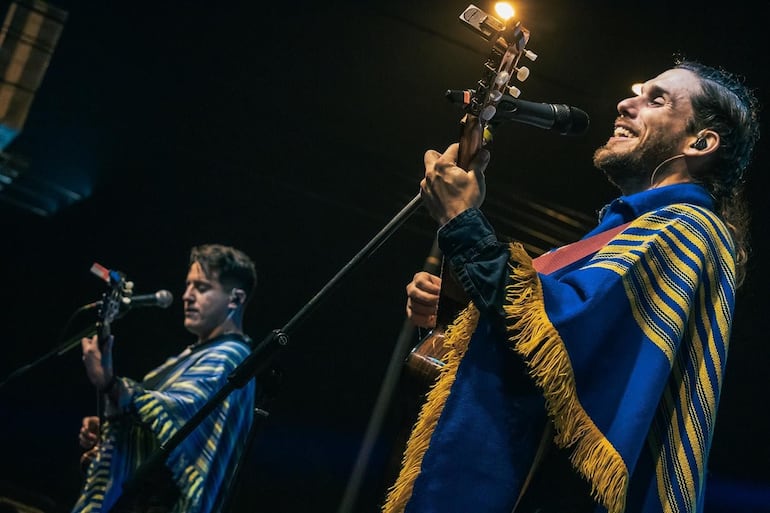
188,294
628,107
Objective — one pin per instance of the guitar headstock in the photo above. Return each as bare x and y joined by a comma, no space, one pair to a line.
509,44
118,292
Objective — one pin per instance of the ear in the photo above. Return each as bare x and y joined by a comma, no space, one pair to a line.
704,143
237,298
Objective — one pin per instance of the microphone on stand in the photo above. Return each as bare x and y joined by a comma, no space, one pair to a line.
550,116
161,299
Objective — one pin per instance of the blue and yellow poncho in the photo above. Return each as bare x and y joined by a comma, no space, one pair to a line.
624,351
152,411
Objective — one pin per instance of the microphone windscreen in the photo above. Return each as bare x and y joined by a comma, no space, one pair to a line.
580,122
165,298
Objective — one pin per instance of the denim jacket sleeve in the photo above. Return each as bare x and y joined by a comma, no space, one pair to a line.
480,262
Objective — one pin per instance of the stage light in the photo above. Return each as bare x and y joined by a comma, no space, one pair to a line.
504,10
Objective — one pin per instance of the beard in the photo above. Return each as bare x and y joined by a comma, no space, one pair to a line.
631,170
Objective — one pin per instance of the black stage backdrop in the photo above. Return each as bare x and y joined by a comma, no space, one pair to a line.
296,133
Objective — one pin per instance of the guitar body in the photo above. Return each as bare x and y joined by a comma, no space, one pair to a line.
428,356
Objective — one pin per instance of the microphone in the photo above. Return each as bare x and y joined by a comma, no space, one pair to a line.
161,299
550,116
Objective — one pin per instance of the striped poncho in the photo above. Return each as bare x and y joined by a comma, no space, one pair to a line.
153,410
624,351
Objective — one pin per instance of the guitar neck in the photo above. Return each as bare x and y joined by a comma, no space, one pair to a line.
509,39
102,333
452,297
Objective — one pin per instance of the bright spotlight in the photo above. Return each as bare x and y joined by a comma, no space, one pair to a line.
504,10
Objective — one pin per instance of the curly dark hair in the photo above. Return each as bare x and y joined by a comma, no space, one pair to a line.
727,106
232,267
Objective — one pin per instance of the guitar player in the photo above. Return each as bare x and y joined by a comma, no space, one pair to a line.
593,386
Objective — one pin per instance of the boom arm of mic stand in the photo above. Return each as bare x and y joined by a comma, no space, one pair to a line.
74,341
365,252
257,361
71,343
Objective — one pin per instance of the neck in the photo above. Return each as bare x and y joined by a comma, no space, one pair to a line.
226,328
676,175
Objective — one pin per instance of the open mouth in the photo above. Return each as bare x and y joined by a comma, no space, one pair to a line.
623,132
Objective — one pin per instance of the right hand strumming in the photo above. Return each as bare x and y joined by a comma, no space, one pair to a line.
422,299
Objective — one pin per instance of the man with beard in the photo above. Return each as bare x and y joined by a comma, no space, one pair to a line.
141,415
593,386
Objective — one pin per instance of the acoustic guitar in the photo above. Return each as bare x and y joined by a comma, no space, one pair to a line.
509,42
118,292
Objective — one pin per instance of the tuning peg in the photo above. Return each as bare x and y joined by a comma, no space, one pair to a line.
529,54
522,73
514,91
487,113
502,78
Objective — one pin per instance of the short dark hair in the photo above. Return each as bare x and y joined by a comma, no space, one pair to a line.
232,267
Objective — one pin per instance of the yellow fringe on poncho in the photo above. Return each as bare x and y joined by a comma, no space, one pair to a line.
456,339
537,341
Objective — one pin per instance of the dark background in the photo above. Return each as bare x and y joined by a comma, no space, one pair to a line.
296,133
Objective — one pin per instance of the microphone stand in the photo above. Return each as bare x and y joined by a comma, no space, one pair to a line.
257,361
65,346
403,344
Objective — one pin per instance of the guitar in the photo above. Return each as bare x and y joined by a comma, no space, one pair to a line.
117,294
509,42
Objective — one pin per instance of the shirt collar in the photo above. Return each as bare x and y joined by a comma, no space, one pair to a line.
628,208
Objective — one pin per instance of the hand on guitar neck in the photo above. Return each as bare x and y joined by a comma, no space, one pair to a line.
97,359
453,183
452,186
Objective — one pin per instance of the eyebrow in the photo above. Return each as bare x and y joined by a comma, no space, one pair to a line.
653,90
197,282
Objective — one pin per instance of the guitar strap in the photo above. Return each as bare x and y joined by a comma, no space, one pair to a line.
546,264
565,255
